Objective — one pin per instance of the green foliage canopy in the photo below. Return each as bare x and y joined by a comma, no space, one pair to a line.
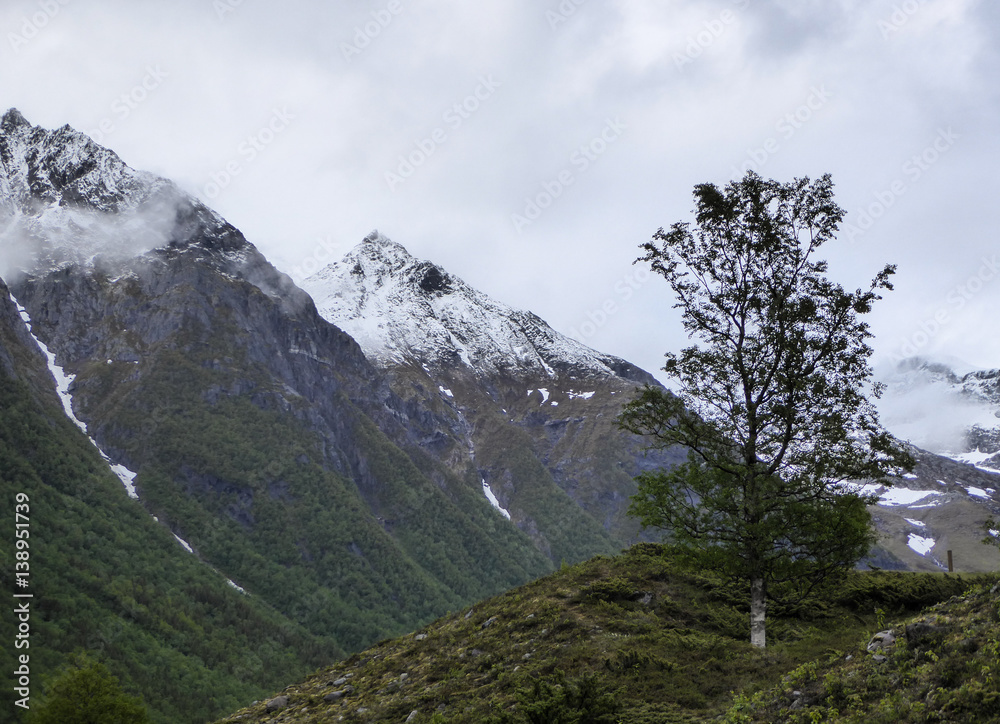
87,693
773,407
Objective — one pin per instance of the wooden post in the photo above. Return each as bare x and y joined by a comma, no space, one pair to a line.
951,567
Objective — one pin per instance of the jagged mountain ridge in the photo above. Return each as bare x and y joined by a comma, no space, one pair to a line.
65,167
402,309
69,202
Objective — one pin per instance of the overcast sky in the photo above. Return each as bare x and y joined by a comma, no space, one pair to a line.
448,126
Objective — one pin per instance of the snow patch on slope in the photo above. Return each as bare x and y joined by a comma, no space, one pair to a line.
920,544
974,458
488,492
898,497
979,492
184,543
124,474
544,392
63,382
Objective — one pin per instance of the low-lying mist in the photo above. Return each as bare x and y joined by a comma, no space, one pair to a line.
925,405
57,235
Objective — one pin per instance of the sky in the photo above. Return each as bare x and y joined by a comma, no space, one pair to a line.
531,146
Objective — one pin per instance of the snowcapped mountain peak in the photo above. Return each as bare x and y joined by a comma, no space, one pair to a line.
12,119
965,379
401,309
66,200
943,366
377,245
65,167
375,263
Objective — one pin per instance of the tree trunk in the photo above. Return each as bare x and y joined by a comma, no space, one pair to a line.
758,612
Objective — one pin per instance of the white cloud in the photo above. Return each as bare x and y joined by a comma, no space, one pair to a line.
324,178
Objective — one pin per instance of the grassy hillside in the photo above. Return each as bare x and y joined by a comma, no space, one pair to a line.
634,638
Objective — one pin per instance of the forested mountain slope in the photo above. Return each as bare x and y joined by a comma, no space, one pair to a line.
106,578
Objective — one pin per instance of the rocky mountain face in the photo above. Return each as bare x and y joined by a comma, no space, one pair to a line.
939,507
20,357
529,409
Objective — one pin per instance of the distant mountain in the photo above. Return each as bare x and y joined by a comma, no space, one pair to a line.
530,410
945,406
948,411
259,433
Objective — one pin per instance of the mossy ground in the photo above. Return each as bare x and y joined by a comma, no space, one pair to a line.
944,667
633,638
